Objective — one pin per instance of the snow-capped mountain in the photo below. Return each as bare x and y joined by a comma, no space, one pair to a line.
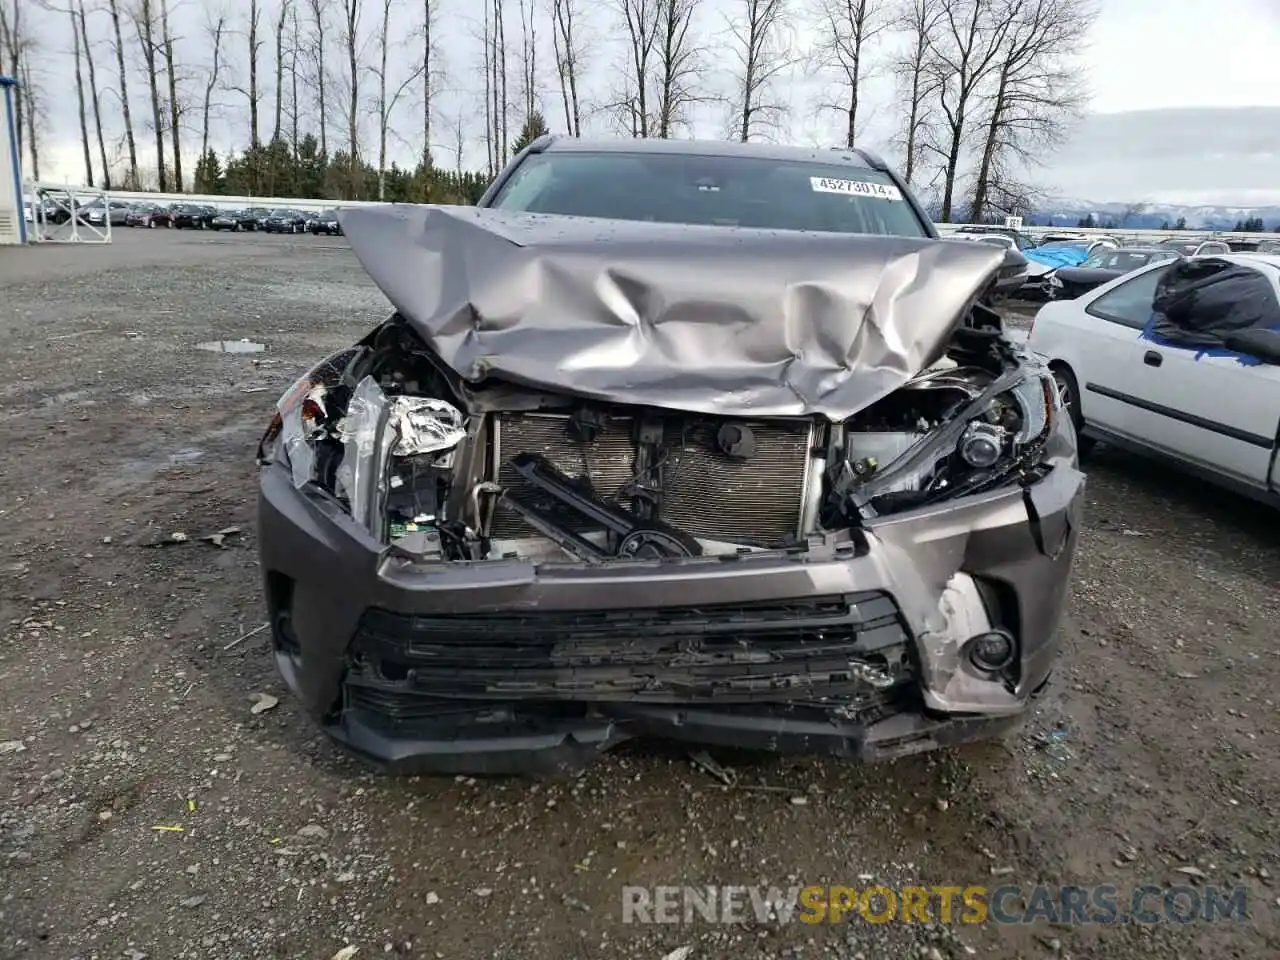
1068,212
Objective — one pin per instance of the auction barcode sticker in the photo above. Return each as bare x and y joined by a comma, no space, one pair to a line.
855,188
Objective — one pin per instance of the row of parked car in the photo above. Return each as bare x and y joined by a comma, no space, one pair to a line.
190,216
1065,266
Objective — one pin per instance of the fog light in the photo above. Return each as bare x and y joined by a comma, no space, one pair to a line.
992,651
981,445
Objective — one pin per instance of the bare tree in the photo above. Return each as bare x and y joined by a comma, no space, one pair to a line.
962,54
918,19
13,46
528,61
175,107
847,27
351,42
216,28
1132,210
319,10
384,38
144,25
295,42
500,35
679,61
459,142
430,76
498,106
387,100
565,43
114,9
93,93
253,42
761,52
640,20
490,98
30,110
84,120
1035,91
279,31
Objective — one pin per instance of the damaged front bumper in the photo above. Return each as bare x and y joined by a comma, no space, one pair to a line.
509,666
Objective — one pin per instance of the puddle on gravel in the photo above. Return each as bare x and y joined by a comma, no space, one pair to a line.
66,397
231,346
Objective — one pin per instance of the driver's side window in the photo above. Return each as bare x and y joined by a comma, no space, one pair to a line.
1130,303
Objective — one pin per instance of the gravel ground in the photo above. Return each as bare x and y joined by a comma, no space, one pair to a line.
147,810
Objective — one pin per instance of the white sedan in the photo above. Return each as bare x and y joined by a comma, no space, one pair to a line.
1207,410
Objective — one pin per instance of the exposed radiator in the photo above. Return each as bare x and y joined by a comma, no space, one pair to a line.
705,493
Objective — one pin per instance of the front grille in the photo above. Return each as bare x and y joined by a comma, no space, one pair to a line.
704,493
773,651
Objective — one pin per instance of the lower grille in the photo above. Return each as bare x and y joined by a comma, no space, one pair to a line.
798,650
704,493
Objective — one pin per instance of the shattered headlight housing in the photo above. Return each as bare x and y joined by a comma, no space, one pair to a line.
300,412
1026,411
991,440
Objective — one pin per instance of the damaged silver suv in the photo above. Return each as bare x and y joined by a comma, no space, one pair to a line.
712,442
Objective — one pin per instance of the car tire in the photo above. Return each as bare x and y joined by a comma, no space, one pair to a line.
1069,391
151,224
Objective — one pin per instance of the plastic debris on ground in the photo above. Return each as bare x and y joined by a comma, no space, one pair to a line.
262,702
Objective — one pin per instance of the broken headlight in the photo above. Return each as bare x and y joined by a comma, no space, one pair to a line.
300,413
978,444
1025,411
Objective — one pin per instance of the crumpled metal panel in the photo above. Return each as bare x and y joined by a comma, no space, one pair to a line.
734,321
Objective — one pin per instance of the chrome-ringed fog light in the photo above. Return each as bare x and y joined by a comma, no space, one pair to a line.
993,651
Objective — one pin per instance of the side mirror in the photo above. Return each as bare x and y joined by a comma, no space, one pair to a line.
1263,344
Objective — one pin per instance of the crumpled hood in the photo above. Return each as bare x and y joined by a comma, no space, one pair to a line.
735,321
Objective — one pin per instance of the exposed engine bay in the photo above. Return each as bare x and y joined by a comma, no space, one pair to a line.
443,469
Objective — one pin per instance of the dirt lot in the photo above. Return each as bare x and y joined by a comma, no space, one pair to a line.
149,812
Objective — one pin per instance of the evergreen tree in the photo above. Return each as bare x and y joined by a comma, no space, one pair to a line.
208,177
535,126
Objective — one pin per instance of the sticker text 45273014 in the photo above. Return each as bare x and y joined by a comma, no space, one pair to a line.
855,188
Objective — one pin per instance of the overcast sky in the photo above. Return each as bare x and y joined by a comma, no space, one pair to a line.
1145,57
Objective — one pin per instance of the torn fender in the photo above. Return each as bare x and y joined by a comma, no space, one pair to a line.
725,320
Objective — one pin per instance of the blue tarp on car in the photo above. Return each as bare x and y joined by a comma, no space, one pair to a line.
1057,256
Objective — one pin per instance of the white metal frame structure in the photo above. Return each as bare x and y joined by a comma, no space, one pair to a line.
13,225
56,199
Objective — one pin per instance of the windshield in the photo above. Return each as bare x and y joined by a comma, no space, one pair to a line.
1118,260
726,191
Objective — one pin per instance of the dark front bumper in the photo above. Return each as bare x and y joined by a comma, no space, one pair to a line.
505,666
